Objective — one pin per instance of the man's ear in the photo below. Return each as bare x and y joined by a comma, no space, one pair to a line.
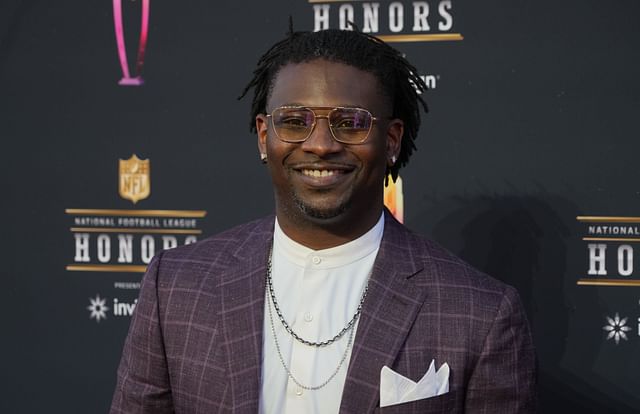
262,125
395,131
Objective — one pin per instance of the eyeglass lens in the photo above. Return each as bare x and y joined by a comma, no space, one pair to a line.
348,125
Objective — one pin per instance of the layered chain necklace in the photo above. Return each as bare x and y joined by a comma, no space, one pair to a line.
348,328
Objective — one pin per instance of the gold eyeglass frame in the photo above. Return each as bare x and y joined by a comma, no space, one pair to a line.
315,122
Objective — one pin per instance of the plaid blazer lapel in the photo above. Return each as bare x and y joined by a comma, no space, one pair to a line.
243,292
388,313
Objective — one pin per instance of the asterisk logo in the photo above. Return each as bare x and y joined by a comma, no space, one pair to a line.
98,308
616,328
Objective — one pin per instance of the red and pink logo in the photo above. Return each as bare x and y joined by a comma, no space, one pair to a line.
129,79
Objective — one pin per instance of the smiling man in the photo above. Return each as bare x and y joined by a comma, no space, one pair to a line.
331,306
328,154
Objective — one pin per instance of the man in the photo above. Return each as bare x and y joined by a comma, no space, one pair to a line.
331,306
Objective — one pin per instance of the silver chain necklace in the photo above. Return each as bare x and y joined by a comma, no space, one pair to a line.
288,328
286,368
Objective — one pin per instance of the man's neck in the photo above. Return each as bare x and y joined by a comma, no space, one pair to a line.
319,234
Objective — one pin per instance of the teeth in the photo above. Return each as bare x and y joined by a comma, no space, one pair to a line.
318,173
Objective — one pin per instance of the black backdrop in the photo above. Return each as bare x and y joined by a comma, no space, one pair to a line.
533,122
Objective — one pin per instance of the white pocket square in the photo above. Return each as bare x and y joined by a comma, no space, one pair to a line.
397,389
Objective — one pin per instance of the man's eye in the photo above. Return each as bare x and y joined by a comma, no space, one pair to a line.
346,123
294,121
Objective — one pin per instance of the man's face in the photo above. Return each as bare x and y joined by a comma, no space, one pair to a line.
322,180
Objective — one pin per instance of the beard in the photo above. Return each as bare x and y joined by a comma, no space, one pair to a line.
320,211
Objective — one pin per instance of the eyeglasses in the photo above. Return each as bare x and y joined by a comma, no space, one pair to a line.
348,125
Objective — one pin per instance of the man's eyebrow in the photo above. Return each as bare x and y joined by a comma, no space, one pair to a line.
293,104
323,106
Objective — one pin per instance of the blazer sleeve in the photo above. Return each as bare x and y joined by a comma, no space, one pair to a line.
504,379
143,379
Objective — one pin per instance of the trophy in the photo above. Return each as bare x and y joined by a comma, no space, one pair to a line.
127,79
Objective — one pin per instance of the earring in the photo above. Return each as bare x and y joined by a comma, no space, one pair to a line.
393,159
263,158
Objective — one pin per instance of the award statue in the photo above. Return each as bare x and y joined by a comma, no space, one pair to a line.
127,79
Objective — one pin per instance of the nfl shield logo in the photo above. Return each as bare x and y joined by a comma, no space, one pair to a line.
135,180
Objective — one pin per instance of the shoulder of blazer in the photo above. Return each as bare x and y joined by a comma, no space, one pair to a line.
226,244
189,264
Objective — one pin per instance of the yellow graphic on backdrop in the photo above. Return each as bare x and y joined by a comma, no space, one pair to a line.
394,199
134,179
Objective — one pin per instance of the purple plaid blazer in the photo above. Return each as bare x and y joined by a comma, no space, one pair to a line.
195,341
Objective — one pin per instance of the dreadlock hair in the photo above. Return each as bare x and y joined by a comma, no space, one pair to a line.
398,78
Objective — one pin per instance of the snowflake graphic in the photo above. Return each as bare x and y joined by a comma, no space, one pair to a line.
98,308
616,328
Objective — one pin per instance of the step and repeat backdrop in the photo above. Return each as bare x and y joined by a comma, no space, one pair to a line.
122,135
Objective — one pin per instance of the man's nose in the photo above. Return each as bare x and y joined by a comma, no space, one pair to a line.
321,141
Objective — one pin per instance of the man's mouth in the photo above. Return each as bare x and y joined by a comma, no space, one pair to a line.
319,173
323,175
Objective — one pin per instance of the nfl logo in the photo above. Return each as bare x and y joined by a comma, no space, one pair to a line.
135,180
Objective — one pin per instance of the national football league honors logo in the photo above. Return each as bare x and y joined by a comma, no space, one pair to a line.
125,240
134,179
610,251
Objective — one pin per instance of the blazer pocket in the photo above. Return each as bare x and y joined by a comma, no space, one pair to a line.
444,403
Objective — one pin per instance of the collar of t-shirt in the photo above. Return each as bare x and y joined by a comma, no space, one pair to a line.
345,254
